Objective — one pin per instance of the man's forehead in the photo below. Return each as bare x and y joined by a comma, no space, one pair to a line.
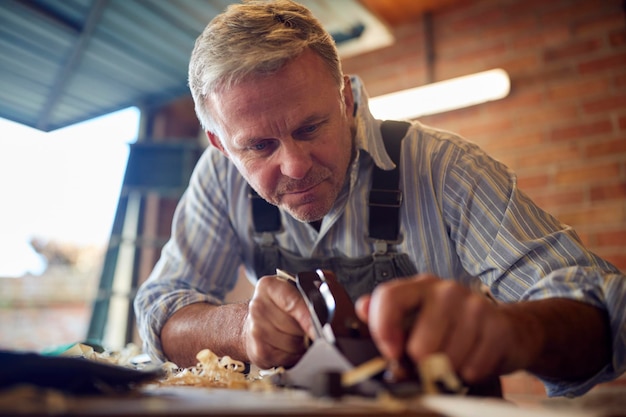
306,60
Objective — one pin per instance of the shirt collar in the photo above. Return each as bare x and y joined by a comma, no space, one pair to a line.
368,136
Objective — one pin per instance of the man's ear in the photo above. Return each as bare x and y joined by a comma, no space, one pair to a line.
215,141
348,97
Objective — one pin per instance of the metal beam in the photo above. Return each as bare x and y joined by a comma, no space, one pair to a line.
72,61
50,15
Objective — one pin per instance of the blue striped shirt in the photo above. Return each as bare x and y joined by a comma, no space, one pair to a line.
462,216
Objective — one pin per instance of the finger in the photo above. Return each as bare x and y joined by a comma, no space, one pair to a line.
436,321
362,307
278,350
273,336
263,332
390,303
286,301
295,306
266,313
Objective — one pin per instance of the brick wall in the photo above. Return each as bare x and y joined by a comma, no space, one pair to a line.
563,126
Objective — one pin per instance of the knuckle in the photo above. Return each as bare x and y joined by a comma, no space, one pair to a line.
255,309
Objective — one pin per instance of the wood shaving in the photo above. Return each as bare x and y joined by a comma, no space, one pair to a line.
212,371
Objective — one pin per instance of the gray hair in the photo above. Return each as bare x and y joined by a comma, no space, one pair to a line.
253,38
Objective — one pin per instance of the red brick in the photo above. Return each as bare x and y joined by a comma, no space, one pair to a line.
605,148
520,99
542,37
573,88
581,130
478,19
611,238
529,182
602,192
532,8
617,61
612,18
621,121
489,127
585,172
521,64
448,46
617,38
515,141
556,200
410,33
459,8
455,120
571,50
546,115
605,104
541,76
510,31
592,216
549,154
570,12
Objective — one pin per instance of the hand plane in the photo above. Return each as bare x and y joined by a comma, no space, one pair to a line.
343,346
343,358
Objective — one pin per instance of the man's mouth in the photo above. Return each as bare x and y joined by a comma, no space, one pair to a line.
302,190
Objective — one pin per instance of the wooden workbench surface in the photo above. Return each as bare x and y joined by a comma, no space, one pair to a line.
190,401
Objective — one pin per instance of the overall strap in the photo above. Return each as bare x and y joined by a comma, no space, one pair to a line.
265,216
385,196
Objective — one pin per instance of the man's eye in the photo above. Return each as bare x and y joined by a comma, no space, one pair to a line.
259,146
262,146
307,130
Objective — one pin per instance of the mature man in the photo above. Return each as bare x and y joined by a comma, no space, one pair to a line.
282,118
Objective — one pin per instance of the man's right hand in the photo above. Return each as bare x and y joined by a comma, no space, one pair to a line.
276,324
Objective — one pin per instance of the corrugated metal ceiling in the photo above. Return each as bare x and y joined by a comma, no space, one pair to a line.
66,61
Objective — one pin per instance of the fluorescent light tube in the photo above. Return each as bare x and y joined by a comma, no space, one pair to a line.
442,96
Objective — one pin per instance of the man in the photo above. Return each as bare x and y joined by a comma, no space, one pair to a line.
281,117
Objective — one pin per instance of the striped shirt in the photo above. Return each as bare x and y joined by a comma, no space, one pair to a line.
462,216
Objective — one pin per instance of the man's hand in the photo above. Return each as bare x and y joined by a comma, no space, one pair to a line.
276,324
267,331
425,315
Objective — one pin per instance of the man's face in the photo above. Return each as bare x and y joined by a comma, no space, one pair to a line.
290,134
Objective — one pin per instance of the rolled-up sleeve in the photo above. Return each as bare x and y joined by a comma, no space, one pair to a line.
604,290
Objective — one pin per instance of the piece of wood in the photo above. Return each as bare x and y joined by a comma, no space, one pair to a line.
436,373
364,371
285,275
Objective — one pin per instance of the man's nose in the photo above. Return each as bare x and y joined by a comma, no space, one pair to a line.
295,159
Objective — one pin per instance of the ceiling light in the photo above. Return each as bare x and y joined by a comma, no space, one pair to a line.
442,96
